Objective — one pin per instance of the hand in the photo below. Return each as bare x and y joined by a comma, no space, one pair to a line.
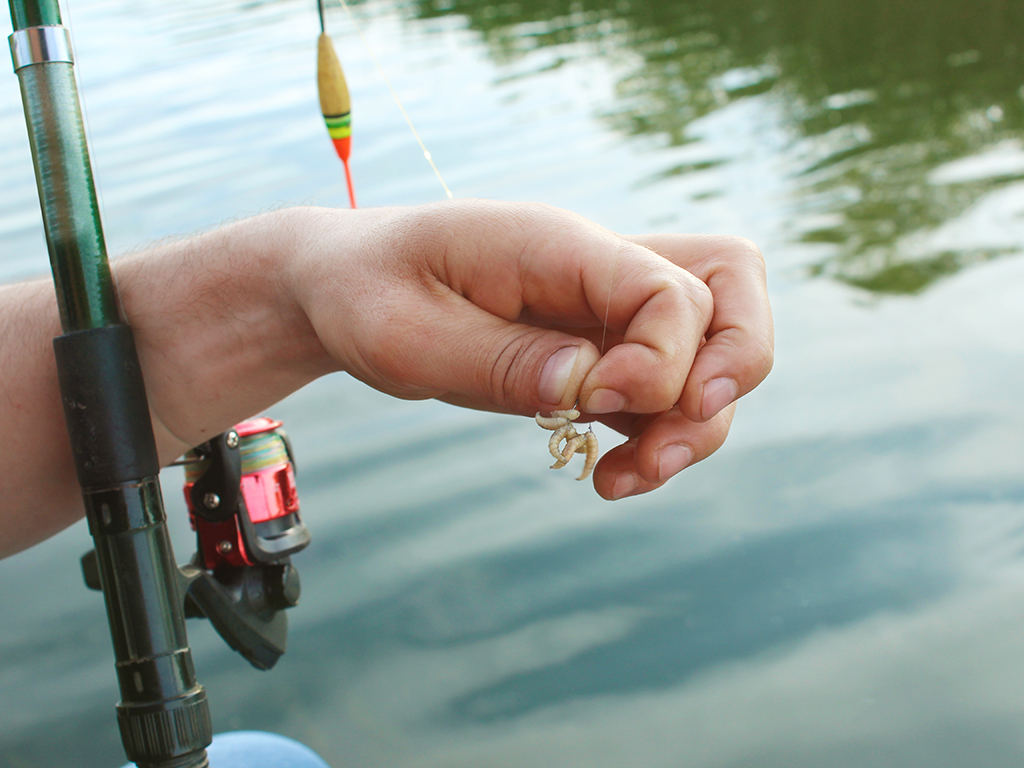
526,308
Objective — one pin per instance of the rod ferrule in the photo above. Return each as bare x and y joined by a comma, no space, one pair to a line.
38,45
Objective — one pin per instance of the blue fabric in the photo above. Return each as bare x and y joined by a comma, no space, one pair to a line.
255,749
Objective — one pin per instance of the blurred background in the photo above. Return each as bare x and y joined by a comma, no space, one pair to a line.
841,585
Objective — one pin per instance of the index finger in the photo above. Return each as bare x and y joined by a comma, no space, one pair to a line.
661,311
739,351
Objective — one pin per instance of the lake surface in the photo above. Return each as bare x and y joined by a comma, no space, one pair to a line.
841,585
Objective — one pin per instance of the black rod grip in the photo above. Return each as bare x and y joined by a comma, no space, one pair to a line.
105,406
164,715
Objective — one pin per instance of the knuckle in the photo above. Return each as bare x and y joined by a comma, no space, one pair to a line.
745,252
508,379
732,251
699,295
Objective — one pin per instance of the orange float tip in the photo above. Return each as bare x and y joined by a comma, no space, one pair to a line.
343,147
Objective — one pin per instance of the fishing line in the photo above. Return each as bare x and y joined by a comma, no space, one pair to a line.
258,452
608,305
394,95
604,328
607,310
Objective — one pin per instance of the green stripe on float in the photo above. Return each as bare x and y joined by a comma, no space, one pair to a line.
339,126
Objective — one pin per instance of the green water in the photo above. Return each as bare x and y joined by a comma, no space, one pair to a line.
874,97
841,585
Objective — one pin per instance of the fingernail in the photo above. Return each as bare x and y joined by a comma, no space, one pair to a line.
672,459
605,401
624,486
718,393
555,375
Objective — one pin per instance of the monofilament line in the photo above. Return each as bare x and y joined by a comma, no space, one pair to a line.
607,308
398,101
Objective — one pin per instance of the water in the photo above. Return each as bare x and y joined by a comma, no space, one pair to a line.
840,585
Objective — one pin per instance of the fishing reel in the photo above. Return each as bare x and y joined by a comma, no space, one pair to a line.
244,508
241,497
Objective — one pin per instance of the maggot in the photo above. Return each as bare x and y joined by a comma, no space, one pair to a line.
560,422
557,418
592,452
564,432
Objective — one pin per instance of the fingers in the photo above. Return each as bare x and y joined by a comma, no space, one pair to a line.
735,358
661,312
663,446
739,349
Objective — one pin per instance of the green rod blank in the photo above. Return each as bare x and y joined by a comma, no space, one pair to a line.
36,13
67,197
67,193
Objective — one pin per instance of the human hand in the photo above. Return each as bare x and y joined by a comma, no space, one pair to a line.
526,308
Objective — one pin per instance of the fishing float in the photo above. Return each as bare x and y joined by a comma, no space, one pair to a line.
335,103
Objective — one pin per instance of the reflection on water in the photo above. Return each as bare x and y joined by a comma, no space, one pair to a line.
693,617
880,98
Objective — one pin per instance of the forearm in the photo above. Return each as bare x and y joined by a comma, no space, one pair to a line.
219,338
38,492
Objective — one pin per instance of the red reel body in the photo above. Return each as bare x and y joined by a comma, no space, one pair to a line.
241,496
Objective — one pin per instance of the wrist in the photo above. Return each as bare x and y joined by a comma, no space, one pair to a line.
220,333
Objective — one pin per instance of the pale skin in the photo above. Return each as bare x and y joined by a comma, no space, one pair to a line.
493,306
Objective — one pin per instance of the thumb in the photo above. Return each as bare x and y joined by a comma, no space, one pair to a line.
457,352
523,370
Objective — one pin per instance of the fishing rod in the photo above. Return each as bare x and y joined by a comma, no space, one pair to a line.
240,488
164,716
